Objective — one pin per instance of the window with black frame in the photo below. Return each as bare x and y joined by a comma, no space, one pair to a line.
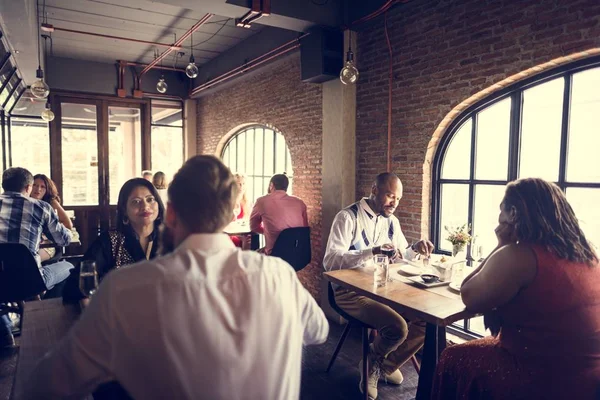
258,152
167,136
544,127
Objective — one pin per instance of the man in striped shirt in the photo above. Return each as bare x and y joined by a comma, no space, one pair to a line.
23,220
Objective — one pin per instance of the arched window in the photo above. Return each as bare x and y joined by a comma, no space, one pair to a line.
547,127
258,152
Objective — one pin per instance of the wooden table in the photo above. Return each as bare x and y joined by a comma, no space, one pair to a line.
44,324
438,307
237,229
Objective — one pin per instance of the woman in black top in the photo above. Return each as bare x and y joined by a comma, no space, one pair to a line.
140,212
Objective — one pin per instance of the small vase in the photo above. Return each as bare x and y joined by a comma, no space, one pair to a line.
458,251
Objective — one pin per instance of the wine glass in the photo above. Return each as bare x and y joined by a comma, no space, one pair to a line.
88,278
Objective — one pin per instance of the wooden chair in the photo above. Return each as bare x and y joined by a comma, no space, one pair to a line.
20,278
353,322
293,246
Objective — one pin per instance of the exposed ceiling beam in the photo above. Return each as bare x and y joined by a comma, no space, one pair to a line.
18,21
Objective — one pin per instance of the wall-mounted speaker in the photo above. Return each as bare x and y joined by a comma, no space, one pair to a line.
321,55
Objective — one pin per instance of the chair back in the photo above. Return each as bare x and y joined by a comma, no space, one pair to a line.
344,314
293,246
20,277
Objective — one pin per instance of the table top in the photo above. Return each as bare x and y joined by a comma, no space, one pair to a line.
46,245
238,228
440,306
44,324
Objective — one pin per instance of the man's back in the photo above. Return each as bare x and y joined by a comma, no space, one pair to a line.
208,321
277,211
23,220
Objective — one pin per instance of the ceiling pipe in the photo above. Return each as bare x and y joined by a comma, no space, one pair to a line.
283,49
260,8
179,42
136,64
51,28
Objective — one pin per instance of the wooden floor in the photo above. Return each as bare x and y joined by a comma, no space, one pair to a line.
342,381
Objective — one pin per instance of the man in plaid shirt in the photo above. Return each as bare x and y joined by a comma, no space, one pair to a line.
24,220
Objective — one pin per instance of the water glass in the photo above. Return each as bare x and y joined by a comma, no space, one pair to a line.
457,273
381,271
88,278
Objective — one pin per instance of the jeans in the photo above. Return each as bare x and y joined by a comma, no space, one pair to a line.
53,274
5,326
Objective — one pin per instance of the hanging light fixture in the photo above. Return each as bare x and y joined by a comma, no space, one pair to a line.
47,114
39,88
191,70
349,74
161,85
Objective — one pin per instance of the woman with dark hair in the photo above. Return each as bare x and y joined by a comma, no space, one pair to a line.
140,212
44,189
540,293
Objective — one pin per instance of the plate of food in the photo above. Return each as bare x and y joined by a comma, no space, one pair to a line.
455,286
408,268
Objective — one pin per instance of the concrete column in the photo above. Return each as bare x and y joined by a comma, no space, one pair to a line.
189,128
339,157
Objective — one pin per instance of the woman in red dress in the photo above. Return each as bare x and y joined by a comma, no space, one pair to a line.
540,292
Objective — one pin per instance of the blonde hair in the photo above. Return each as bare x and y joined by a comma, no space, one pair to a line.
242,196
159,180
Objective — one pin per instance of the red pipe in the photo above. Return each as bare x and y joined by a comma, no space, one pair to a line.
116,37
215,81
258,60
391,76
135,64
378,12
178,43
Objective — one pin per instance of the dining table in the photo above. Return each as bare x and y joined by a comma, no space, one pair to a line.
241,227
437,306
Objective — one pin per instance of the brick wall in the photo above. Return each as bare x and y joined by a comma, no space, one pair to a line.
444,53
276,97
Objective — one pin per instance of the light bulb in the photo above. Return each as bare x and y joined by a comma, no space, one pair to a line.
191,70
39,89
47,114
349,74
161,85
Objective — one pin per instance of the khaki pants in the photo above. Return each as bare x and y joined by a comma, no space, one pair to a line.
397,341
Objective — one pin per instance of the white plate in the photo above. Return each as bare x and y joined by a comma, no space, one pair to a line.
455,286
419,282
408,268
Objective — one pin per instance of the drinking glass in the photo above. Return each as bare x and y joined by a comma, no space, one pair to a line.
457,273
88,278
381,272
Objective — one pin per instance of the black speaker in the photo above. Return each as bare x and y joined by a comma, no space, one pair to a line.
321,55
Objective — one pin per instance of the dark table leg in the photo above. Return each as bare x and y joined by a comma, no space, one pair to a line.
435,343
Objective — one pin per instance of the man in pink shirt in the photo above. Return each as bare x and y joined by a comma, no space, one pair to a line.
277,211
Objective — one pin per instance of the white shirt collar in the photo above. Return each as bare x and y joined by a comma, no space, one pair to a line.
206,241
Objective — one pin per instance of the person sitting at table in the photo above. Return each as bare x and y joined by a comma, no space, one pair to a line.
540,292
23,220
147,175
140,211
241,210
277,211
359,232
44,189
159,180
207,321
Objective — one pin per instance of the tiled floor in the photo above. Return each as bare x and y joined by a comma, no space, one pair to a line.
342,381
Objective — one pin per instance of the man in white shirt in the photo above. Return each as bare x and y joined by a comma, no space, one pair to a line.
207,321
364,229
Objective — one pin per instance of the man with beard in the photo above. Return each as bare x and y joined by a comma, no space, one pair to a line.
360,231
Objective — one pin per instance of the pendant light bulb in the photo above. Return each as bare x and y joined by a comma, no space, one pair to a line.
47,114
39,88
161,85
349,74
191,70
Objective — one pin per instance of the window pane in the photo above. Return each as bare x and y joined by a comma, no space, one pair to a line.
258,151
485,217
583,163
280,149
541,128
29,105
585,204
454,212
268,153
30,145
493,123
165,112
457,159
241,153
124,148
80,154
167,150
250,153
